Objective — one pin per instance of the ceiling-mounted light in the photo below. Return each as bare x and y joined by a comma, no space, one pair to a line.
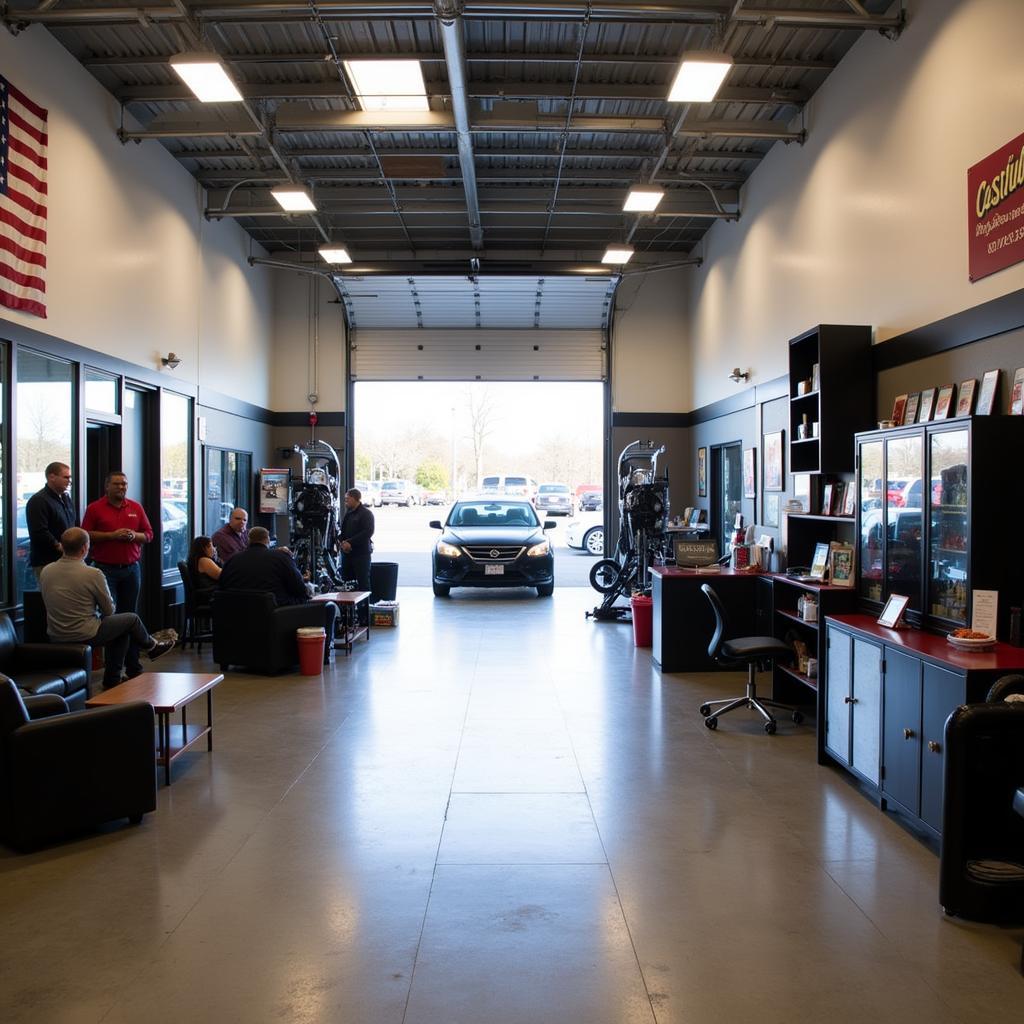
700,74
388,84
617,254
643,200
293,199
335,254
205,74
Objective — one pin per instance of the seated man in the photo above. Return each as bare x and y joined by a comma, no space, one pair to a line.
259,567
80,610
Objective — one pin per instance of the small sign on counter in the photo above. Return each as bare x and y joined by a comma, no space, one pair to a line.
984,611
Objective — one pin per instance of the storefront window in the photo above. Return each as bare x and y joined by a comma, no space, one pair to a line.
228,486
45,404
176,478
3,476
100,392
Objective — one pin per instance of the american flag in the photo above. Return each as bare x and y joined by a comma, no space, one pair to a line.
22,201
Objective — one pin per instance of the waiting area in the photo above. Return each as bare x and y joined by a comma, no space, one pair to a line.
520,821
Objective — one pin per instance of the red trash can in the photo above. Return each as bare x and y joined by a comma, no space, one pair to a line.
643,620
311,641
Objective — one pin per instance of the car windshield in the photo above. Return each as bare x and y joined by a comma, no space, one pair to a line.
492,513
553,489
515,481
391,486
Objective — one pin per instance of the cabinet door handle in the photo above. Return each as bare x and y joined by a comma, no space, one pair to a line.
849,700
934,746
908,734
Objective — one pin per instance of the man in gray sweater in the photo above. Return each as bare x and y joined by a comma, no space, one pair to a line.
79,608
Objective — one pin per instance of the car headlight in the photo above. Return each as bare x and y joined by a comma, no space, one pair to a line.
448,550
539,549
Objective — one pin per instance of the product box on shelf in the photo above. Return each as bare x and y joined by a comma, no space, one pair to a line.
384,613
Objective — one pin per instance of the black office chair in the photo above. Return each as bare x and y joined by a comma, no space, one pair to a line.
751,651
198,614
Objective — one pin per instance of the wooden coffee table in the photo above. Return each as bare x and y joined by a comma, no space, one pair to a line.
347,630
167,692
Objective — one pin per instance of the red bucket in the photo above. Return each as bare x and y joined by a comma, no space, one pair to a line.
643,620
311,641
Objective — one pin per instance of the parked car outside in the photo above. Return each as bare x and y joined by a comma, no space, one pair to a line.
372,496
435,497
586,532
592,501
554,498
493,542
175,539
398,492
510,486
583,490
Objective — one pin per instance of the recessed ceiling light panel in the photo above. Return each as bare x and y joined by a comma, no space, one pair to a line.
335,254
700,75
388,84
293,199
206,76
643,200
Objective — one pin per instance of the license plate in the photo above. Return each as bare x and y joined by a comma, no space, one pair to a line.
494,570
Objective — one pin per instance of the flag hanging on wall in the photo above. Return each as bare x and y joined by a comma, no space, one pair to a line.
22,201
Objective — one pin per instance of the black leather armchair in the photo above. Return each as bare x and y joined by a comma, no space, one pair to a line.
981,871
40,668
252,631
65,772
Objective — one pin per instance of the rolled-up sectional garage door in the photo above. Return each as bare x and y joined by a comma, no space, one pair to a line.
459,328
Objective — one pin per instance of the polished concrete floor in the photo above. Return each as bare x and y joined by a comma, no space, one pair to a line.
498,812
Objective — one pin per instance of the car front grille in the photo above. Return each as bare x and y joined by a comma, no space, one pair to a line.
485,552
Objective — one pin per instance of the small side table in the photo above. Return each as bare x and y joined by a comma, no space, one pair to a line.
347,630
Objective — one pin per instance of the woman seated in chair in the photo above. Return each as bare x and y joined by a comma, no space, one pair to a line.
203,570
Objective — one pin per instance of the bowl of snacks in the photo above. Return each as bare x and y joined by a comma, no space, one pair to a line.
971,640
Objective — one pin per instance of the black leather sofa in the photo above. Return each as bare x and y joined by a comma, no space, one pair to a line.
250,629
38,668
981,870
62,772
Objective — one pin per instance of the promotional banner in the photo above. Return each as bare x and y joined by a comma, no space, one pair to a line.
995,211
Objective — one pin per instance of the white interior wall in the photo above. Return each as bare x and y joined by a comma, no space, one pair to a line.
307,357
134,270
651,363
866,223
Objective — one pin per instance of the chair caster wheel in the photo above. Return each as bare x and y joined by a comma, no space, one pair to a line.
797,717
769,727
705,710
711,723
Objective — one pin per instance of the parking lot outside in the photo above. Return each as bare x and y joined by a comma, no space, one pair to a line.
402,535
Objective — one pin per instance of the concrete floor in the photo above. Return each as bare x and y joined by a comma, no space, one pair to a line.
498,812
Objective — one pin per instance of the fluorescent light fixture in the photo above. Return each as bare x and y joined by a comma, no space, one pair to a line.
617,254
206,76
292,199
388,84
700,74
335,254
643,200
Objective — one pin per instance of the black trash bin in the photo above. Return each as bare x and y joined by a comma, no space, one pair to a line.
383,581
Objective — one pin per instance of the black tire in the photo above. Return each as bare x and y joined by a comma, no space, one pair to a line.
593,541
604,575
769,727
705,710
711,723
442,590
545,589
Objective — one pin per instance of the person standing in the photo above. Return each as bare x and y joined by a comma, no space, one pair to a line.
233,536
117,528
48,514
357,527
79,609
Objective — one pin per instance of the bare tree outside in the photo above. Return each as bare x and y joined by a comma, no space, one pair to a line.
482,420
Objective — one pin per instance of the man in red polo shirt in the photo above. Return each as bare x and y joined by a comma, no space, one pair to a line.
118,528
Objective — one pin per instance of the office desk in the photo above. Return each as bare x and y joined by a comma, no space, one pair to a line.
684,622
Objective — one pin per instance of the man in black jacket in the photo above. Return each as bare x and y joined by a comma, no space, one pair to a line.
356,531
260,568
48,514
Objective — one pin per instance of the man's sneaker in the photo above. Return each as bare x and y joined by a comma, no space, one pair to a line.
159,649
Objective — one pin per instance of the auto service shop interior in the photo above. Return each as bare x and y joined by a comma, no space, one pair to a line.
501,811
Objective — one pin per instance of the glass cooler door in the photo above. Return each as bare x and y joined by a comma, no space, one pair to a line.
904,521
948,585
872,514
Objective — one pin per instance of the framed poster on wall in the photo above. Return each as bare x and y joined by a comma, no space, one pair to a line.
773,469
702,472
749,472
274,491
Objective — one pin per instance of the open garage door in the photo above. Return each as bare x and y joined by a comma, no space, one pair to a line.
486,329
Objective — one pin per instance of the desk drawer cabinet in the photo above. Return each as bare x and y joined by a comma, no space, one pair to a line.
853,703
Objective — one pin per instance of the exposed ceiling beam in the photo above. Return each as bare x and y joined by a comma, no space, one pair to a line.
180,93
498,57
709,12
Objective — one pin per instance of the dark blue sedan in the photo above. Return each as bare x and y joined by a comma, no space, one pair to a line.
491,542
